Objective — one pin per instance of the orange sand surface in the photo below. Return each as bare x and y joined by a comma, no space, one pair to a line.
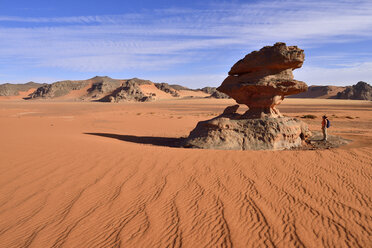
83,174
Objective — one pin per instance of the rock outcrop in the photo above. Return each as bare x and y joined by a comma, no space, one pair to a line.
14,89
101,86
229,132
58,89
263,78
214,93
360,91
96,88
128,92
179,87
319,91
260,80
219,95
167,89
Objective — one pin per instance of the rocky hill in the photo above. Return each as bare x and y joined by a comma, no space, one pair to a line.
167,89
179,87
106,89
92,88
359,91
15,89
58,89
324,92
129,91
214,93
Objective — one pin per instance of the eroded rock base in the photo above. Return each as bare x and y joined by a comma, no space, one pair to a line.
232,132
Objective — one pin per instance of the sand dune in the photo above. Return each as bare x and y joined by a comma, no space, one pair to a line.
79,174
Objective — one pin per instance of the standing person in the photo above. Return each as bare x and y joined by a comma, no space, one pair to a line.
325,125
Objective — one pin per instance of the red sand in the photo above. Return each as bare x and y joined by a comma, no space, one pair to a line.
122,186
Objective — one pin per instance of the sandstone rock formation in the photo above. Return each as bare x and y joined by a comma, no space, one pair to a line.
260,80
263,78
57,89
14,89
360,91
319,91
179,87
229,132
167,89
103,89
214,93
219,95
98,87
101,86
129,91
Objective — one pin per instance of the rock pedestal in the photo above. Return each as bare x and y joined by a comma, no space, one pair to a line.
226,133
261,81
263,78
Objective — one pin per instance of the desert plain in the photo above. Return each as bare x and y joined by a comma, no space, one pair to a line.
90,174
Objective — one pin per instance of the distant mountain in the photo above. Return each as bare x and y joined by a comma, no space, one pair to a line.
130,90
94,88
214,93
179,87
107,89
359,91
167,88
15,89
324,92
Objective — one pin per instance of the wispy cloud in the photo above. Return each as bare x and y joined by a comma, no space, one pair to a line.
170,39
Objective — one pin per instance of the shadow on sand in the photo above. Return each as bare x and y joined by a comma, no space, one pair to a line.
149,140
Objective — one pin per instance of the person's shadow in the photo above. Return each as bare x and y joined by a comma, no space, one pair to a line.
149,140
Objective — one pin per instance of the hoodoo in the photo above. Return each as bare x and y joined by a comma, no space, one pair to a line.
263,78
260,80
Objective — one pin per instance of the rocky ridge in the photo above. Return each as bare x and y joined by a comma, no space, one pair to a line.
167,89
58,89
14,89
359,91
103,89
320,92
98,88
127,92
214,93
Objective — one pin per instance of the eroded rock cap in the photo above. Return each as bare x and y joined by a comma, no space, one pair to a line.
278,57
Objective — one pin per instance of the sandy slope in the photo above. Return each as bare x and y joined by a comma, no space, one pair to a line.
22,94
106,175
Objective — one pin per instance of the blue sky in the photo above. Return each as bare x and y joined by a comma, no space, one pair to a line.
193,43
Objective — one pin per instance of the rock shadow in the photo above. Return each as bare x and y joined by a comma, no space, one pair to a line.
147,140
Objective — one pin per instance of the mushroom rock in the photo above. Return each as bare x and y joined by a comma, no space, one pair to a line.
263,78
261,81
